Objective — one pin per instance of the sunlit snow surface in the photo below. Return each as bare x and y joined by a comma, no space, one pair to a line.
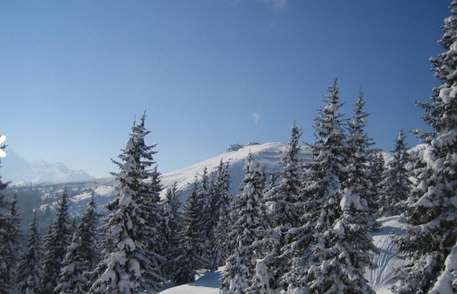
381,279
206,283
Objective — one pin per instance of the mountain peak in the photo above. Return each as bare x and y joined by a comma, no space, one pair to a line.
18,170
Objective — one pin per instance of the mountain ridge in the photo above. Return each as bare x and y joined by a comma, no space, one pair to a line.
18,170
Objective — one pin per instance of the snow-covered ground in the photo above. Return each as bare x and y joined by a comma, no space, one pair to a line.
381,279
206,283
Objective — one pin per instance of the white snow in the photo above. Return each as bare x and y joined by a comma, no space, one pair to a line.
339,228
349,199
449,275
267,154
382,278
207,283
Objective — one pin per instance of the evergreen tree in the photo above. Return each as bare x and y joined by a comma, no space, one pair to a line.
4,274
82,254
11,243
55,244
205,194
148,221
325,250
357,222
319,197
244,272
396,184
131,262
284,212
220,209
173,230
430,245
194,236
29,271
377,167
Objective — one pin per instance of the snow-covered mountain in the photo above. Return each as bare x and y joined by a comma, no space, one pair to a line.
18,170
267,154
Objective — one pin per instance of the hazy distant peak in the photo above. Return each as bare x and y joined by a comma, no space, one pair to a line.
19,170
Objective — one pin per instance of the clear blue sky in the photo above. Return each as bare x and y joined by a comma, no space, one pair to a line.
210,73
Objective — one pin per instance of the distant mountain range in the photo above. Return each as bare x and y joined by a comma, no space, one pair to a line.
18,170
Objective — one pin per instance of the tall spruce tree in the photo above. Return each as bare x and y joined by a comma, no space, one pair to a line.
149,233
323,192
285,214
220,209
325,251
396,185
319,198
55,245
194,229
29,271
205,191
429,246
357,222
173,230
244,270
82,255
131,262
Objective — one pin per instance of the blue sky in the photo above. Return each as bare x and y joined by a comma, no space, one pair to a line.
210,73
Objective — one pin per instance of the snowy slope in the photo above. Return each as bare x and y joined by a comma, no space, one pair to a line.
381,279
267,154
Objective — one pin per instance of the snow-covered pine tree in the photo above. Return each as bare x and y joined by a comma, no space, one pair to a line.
352,244
220,203
82,255
377,167
3,253
429,246
149,233
240,274
55,245
194,233
131,261
11,244
29,271
285,214
321,259
396,184
205,194
173,230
